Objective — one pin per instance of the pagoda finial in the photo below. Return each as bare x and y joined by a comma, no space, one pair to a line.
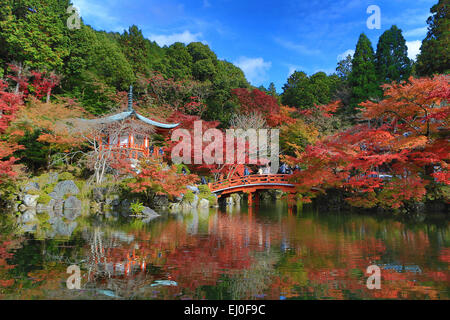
130,99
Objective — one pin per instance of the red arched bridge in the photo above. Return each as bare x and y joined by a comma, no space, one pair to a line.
252,183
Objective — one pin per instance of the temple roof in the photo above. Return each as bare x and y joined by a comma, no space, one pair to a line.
127,114
130,113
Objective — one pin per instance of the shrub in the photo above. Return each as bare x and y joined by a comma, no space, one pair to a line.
65,176
48,188
137,207
43,217
44,198
188,196
204,189
33,192
212,199
79,184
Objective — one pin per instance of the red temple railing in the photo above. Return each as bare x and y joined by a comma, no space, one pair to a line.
244,182
130,151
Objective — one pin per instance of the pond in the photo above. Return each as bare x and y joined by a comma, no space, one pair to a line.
268,252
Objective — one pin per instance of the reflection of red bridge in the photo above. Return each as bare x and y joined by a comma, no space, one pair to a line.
252,183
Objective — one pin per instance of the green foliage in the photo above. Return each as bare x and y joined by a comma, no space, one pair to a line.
37,39
434,54
178,62
137,207
212,199
391,60
205,193
65,176
34,154
344,68
48,188
304,92
33,192
44,198
188,196
180,168
80,184
137,50
363,79
43,217
204,189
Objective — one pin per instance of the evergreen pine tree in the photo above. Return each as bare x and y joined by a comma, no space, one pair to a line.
363,78
391,60
434,54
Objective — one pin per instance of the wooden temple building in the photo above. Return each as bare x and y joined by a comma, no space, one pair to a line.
128,134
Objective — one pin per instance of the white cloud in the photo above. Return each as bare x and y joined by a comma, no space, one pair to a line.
413,48
344,55
418,32
255,69
184,37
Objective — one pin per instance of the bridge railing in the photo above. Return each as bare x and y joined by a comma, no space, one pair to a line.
249,180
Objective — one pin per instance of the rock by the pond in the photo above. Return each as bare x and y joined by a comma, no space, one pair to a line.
236,197
72,208
229,201
112,200
58,207
29,227
30,186
41,207
214,201
149,213
72,202
63,229
52,177
28,216
194,203
30,200
124,208
63,188
22,207
203,203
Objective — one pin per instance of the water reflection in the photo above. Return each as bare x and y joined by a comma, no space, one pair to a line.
268,252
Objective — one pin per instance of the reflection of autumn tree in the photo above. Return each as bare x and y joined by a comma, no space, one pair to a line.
356,245
243,256
254,281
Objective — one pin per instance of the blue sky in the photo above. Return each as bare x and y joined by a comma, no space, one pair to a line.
267,39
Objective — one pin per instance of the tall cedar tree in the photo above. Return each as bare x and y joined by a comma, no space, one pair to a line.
34,33
434,54
363,78
391,60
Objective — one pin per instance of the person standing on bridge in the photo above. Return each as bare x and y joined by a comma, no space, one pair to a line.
246,174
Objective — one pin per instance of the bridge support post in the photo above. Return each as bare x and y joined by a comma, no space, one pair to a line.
256,198
250,199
